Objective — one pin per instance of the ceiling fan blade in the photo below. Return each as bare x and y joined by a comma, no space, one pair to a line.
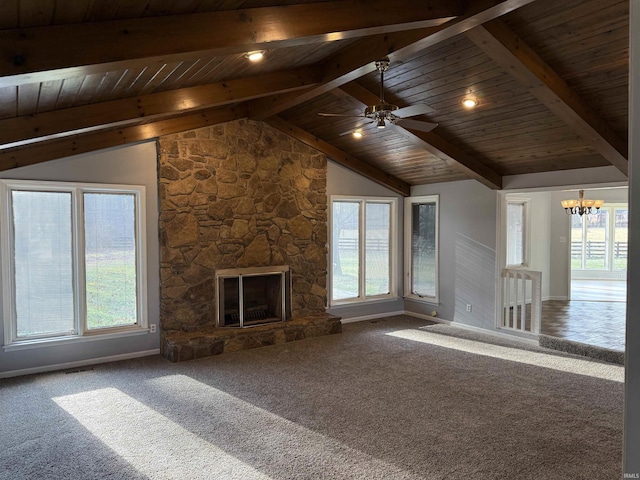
339,115
413,110
416,124
357,127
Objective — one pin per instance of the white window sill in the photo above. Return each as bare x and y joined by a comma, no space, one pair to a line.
71,339
426,300
360,301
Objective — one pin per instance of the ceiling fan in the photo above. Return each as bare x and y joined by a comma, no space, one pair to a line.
384,114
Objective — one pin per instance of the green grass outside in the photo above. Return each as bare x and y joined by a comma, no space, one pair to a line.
111,289
598,235
598,263
345,285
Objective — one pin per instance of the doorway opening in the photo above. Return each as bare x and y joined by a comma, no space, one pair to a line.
581,260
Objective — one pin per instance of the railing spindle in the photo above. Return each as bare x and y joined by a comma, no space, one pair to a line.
514,293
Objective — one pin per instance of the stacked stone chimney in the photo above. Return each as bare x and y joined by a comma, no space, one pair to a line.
240,194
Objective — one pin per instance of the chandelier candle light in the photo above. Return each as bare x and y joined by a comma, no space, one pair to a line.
581,206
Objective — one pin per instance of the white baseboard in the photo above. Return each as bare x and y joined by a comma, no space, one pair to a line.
471,328
556,298
424,316
371,317
80,363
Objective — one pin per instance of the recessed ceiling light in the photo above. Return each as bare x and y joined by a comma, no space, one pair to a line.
255,56
357,134
469,102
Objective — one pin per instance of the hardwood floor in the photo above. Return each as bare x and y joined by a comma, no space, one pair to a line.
599,290
595,323
596,314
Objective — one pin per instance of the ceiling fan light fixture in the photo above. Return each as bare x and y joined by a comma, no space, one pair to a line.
255,56
382,112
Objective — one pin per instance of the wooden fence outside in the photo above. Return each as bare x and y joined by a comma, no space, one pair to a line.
599,249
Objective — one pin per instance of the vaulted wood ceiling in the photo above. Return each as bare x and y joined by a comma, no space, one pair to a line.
551,78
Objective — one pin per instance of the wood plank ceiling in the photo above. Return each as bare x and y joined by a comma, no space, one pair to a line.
551,79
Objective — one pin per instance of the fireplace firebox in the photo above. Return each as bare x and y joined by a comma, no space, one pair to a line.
249,297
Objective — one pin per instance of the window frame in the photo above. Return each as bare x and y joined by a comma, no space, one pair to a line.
526,225
408,251
393,250
81,330
610,240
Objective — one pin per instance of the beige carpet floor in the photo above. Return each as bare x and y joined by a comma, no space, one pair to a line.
386,399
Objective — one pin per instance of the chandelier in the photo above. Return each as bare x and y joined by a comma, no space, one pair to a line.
581,206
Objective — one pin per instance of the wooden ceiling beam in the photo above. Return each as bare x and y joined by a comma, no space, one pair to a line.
509,51
60,148
342,158
434,143
359,59
351,64
96,47
42,126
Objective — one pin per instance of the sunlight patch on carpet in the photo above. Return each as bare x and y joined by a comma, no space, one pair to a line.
154,445
278,444
564,364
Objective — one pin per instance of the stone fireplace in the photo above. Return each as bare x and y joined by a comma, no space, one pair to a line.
235,196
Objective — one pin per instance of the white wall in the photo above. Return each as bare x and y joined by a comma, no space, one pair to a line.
608,194
134,165
559,248
550,180
631,459
539,238
467,259
342,181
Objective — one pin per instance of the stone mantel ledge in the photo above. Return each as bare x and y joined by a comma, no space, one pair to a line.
179,346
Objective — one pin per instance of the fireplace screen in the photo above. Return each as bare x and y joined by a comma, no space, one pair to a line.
253,296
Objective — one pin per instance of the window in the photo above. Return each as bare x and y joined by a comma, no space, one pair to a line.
421,248
599,241
517,218
620,245
73,260
362,249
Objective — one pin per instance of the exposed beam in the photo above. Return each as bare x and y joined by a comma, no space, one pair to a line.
358,60
30,128
97,47
456,158
516,57
353,63
59,148
434,143
342,158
